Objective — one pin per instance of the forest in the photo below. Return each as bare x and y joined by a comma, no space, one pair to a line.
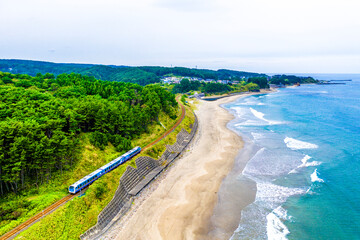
251,84
42,116
291,79
222,74
140,75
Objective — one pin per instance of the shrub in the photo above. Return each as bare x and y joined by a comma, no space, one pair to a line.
100,189
123,144
183,99
99,139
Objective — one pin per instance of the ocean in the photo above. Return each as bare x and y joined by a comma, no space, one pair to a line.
303,146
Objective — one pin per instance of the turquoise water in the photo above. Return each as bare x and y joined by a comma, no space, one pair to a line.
306,162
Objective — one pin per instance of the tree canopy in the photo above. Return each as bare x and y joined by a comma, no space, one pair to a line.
140,75
42,117
262,82
291,79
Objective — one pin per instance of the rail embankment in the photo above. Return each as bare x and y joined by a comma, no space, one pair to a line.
136,179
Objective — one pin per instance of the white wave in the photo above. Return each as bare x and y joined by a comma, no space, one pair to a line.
315,178
281,213
256,220
275,228
267,164
305,159
297,144
312,164
257,136
239,111
261,115
305,163
249,103
316,92
250,123
275,194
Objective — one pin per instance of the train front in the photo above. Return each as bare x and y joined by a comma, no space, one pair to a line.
72,189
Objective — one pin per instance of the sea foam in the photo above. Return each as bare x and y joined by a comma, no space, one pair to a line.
306,163
258,114
272,194
251,101
257,136
297,144
261,115
275,228
264,219
315,178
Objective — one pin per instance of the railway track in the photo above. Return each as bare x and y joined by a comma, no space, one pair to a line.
35,218
11,234
183,111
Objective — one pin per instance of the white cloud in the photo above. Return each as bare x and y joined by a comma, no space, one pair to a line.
256,35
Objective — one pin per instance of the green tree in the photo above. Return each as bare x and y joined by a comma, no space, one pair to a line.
262,82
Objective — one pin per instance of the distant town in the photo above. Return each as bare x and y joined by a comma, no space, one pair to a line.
177,80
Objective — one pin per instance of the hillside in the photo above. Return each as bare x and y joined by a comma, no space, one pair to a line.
42,117
140,75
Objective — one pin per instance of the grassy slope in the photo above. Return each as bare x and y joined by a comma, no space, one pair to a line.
78,215
30,203
157,150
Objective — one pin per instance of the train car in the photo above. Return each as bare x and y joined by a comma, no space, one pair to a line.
87,180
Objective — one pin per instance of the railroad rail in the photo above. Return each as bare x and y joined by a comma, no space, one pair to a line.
183,111
15,231
37,217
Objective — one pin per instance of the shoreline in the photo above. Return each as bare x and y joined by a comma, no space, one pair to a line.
181,202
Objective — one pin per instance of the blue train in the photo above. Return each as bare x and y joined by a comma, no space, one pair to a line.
87,180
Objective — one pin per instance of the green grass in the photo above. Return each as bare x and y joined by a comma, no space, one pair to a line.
157,150
19,209
155,130
78,215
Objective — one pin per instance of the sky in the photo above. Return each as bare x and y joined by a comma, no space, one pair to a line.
268,36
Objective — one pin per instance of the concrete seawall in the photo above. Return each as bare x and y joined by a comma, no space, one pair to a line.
136,179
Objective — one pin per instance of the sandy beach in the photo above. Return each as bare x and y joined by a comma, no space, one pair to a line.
180,203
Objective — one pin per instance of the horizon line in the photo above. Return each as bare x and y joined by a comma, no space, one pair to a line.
269,73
